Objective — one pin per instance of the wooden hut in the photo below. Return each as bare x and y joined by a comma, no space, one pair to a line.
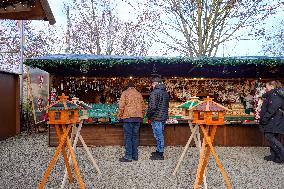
9,104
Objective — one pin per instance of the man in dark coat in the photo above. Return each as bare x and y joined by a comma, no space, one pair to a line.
158,114
272,121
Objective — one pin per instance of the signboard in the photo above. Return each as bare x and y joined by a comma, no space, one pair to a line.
39,90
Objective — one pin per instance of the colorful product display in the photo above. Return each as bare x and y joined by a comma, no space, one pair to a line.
242,97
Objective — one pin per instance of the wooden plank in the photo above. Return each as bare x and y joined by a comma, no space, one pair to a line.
227,135
9,105
181,134
240,135
146,137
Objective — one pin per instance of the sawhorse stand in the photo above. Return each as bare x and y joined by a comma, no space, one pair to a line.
207,147
62,139
76,132
195,134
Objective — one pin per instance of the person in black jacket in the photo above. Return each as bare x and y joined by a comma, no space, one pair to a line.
272,120
158,114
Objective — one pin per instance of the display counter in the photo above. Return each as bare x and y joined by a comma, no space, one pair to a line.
104,134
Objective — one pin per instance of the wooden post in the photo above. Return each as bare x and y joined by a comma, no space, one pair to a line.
208,141
212,136
203,161
184,150
78,136
75,165
54,158
64,155
196,136
200,162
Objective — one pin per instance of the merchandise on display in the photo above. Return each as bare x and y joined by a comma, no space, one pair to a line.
242,96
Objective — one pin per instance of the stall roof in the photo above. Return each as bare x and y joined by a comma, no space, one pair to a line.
26,10
105,66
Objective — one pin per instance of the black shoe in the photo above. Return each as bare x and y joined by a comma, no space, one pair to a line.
157,156
124,160
277,160
269,158
135,158
154,153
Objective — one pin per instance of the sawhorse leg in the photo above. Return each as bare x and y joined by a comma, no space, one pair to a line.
75,165
55,156
64,155
204,160
78,136
195,134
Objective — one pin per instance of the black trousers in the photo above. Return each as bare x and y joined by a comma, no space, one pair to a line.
276,147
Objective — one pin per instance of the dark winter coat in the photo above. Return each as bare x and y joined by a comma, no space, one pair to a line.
158,104
272,112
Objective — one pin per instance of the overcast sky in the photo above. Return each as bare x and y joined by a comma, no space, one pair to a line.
244,47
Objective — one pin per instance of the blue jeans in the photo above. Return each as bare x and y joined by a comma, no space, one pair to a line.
158,131
131,130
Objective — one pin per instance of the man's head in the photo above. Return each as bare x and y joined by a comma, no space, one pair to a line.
130,84
156,81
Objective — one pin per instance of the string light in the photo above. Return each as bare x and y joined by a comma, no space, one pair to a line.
5,4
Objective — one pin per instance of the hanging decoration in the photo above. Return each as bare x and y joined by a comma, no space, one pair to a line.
257,98
242,96
84,68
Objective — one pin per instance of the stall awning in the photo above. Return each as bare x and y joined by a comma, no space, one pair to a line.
26,10
106,66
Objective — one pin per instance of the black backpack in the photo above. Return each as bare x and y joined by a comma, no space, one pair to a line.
280,92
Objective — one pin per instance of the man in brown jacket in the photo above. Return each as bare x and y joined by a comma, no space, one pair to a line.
131,112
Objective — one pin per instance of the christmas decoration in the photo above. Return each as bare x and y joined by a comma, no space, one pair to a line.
6,4
55,60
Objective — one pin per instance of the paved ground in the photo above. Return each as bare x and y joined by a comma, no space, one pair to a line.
23,160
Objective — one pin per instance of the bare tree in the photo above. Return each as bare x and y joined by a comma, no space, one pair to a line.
273,40
38,41
95,28
198,27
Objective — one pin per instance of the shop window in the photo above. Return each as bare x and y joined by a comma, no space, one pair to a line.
215,116
57,115
71,115
200,115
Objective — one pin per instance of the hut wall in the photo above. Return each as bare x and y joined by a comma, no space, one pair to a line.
9,105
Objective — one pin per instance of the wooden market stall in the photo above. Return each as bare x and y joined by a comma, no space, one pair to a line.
235,82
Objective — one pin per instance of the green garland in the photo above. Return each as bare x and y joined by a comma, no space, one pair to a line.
109,62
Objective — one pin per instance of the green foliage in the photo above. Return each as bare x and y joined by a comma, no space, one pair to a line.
109,61
27,120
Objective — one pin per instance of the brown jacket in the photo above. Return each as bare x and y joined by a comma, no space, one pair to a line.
131,104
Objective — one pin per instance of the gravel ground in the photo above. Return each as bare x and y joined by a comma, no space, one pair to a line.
24,159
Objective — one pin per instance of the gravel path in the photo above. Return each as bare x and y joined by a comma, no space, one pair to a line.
23,160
